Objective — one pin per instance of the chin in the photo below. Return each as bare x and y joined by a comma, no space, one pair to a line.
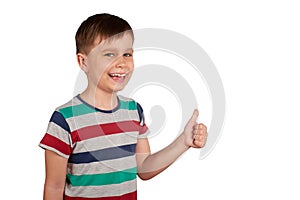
118,88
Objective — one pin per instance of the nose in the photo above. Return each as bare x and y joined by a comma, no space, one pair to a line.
120,62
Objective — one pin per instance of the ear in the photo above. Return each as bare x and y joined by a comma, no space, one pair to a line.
81,59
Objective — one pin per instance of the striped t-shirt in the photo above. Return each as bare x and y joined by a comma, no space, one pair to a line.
100,148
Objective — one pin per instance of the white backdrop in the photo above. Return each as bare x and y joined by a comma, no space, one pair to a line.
255,46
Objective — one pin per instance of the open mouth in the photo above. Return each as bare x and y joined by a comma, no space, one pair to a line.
117,76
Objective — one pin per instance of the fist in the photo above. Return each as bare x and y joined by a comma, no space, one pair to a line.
195,135
199,135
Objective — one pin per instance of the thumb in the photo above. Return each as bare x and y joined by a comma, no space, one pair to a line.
194,116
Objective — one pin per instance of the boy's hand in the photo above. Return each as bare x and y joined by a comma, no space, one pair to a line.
195,135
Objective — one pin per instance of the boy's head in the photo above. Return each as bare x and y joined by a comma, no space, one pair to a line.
104,52
97,28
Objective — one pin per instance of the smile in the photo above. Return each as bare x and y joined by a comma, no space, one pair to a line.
117,75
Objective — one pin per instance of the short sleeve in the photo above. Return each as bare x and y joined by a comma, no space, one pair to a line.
58,136
143,129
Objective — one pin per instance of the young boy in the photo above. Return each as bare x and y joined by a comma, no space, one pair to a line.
97,143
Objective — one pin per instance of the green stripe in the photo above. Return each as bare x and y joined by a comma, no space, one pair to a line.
129,105
102,179
73,111
82,109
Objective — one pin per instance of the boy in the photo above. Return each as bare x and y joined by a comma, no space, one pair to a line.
97,143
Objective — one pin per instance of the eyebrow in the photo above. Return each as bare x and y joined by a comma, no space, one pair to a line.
114,49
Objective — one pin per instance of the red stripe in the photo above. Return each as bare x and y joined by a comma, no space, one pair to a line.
56,143
129,196
143,129
104,129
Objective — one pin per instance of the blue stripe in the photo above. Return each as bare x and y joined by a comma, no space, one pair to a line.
59,119
103,154
140,111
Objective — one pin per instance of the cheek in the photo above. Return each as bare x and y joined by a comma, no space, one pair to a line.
97,74
131,65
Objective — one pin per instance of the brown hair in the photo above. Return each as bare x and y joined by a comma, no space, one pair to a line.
99,26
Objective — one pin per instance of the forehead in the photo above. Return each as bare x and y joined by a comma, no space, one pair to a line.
119,42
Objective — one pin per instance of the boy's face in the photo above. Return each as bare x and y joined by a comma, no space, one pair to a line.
109,65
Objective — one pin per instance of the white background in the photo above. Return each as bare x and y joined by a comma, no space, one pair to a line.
255,46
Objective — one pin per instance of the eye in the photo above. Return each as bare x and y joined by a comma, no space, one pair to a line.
109,54
127,54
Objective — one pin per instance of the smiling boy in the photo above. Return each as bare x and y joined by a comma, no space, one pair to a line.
96,144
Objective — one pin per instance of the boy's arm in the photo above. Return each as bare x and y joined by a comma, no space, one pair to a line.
149,165
56,166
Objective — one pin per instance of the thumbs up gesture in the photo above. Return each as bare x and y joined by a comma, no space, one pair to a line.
195,135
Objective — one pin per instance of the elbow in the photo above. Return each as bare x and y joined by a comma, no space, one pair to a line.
53,192
145,176
54,186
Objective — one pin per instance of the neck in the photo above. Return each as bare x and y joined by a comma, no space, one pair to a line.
100,99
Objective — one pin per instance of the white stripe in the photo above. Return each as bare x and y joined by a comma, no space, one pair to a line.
95,118
107,141
102,167
101,191
58,132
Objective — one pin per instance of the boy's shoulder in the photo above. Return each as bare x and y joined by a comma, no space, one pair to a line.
131,104
71,103
75,104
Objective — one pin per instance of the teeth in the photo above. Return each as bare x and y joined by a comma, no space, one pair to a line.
118,75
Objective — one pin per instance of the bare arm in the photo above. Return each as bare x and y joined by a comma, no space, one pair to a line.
150,165
55,176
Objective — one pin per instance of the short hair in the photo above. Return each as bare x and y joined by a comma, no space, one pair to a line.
99,26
